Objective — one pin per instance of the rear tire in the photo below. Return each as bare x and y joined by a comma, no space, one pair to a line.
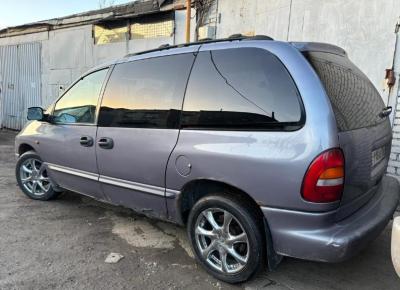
227,238
32,177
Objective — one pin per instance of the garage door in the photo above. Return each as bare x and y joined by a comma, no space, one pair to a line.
20,84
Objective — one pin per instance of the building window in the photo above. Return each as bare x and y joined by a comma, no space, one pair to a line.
143,27
152,27
110,32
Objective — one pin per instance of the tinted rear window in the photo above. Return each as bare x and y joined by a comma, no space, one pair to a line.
244,88
355,101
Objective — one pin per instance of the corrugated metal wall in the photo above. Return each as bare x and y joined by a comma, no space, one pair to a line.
20,83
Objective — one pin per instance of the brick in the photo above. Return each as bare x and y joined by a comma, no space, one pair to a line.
395,149
396,129
393,156
391,170
394,163
395,142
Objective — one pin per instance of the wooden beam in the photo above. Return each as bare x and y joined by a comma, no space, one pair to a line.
188,18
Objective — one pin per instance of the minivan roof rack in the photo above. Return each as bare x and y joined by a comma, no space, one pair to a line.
164,46
233,37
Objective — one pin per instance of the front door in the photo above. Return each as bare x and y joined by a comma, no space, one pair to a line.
138,128
67,143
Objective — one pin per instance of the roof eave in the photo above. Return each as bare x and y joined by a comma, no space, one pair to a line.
129,10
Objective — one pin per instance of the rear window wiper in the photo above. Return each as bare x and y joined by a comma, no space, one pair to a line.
385,112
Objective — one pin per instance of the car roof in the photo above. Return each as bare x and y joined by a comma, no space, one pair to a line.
167,49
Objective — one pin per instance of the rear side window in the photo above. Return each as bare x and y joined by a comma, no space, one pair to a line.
355,101
146,93
244,88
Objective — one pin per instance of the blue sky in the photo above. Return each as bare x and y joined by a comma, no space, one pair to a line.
16,12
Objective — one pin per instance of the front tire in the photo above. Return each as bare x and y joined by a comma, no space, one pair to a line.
32,177
226,237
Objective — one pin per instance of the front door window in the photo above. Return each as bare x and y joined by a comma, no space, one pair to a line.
78,105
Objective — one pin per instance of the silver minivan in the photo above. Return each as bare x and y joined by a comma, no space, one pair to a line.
261,148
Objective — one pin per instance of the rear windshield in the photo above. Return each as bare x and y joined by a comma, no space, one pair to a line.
355,101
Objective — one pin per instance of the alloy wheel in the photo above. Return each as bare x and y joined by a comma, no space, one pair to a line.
222,241
34,177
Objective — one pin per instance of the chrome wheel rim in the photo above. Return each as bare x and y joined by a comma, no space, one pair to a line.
34,177
222,241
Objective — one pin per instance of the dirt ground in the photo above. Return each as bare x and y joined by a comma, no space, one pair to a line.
62,244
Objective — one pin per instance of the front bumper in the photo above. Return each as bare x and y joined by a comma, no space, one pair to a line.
318,237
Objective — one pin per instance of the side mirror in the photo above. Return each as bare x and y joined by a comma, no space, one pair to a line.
35,113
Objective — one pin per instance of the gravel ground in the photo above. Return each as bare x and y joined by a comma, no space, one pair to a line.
62,244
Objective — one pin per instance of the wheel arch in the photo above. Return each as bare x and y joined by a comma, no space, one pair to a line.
24,147
196,189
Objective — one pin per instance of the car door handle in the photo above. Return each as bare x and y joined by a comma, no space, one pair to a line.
86,141
106,143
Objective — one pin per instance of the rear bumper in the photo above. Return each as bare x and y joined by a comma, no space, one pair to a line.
318,237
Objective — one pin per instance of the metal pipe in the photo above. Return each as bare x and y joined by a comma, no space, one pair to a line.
394,91
188,18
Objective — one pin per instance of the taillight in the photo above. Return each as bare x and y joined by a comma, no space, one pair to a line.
324,178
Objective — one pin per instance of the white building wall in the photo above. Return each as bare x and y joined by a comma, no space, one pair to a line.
68,53
237,16
180,26
365,29
394,163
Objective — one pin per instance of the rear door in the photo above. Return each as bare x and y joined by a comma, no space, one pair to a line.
138,129
364,134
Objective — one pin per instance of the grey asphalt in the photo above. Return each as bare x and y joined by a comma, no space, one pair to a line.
62,244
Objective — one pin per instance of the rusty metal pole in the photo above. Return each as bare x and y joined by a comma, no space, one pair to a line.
188,17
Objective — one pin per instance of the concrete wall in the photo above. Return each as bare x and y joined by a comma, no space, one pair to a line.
180,26
365,29
394,163
67,53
